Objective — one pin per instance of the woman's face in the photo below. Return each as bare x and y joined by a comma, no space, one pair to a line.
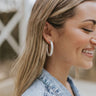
75,45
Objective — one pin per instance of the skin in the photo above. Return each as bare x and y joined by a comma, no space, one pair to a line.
69,42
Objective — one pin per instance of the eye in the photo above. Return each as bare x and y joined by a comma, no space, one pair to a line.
88,30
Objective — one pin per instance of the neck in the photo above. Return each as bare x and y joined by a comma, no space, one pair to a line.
58,69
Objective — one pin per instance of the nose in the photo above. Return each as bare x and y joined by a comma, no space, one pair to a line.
93,41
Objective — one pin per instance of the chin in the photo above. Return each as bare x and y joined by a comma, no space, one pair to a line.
87,65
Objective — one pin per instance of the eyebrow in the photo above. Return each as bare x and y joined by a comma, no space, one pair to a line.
94,21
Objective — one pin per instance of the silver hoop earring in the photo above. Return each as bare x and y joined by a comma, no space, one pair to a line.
52,48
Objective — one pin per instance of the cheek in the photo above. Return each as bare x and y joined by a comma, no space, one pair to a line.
80,39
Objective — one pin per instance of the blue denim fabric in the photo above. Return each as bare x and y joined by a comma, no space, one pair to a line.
47,85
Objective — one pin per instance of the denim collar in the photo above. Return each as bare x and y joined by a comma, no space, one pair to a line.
55,87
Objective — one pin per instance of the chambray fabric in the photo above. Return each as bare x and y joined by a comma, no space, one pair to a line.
47,85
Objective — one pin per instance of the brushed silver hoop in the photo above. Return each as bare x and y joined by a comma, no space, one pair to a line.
51,50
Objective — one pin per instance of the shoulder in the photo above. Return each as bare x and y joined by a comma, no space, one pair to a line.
36,89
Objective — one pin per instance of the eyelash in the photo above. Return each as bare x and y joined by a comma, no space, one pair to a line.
87,30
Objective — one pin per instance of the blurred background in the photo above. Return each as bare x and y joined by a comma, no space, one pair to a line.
14,15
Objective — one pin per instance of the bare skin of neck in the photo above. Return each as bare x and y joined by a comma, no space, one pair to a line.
69,88
60,71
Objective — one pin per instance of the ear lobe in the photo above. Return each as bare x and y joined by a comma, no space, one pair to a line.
47,32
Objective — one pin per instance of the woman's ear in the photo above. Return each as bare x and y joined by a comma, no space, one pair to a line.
48,32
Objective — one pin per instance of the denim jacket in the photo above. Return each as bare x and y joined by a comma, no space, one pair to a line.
47,85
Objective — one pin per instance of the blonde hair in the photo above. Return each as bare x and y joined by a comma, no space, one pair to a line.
31,63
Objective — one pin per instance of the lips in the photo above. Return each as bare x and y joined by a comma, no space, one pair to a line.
88,52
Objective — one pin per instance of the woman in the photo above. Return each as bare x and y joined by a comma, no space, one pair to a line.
61,34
